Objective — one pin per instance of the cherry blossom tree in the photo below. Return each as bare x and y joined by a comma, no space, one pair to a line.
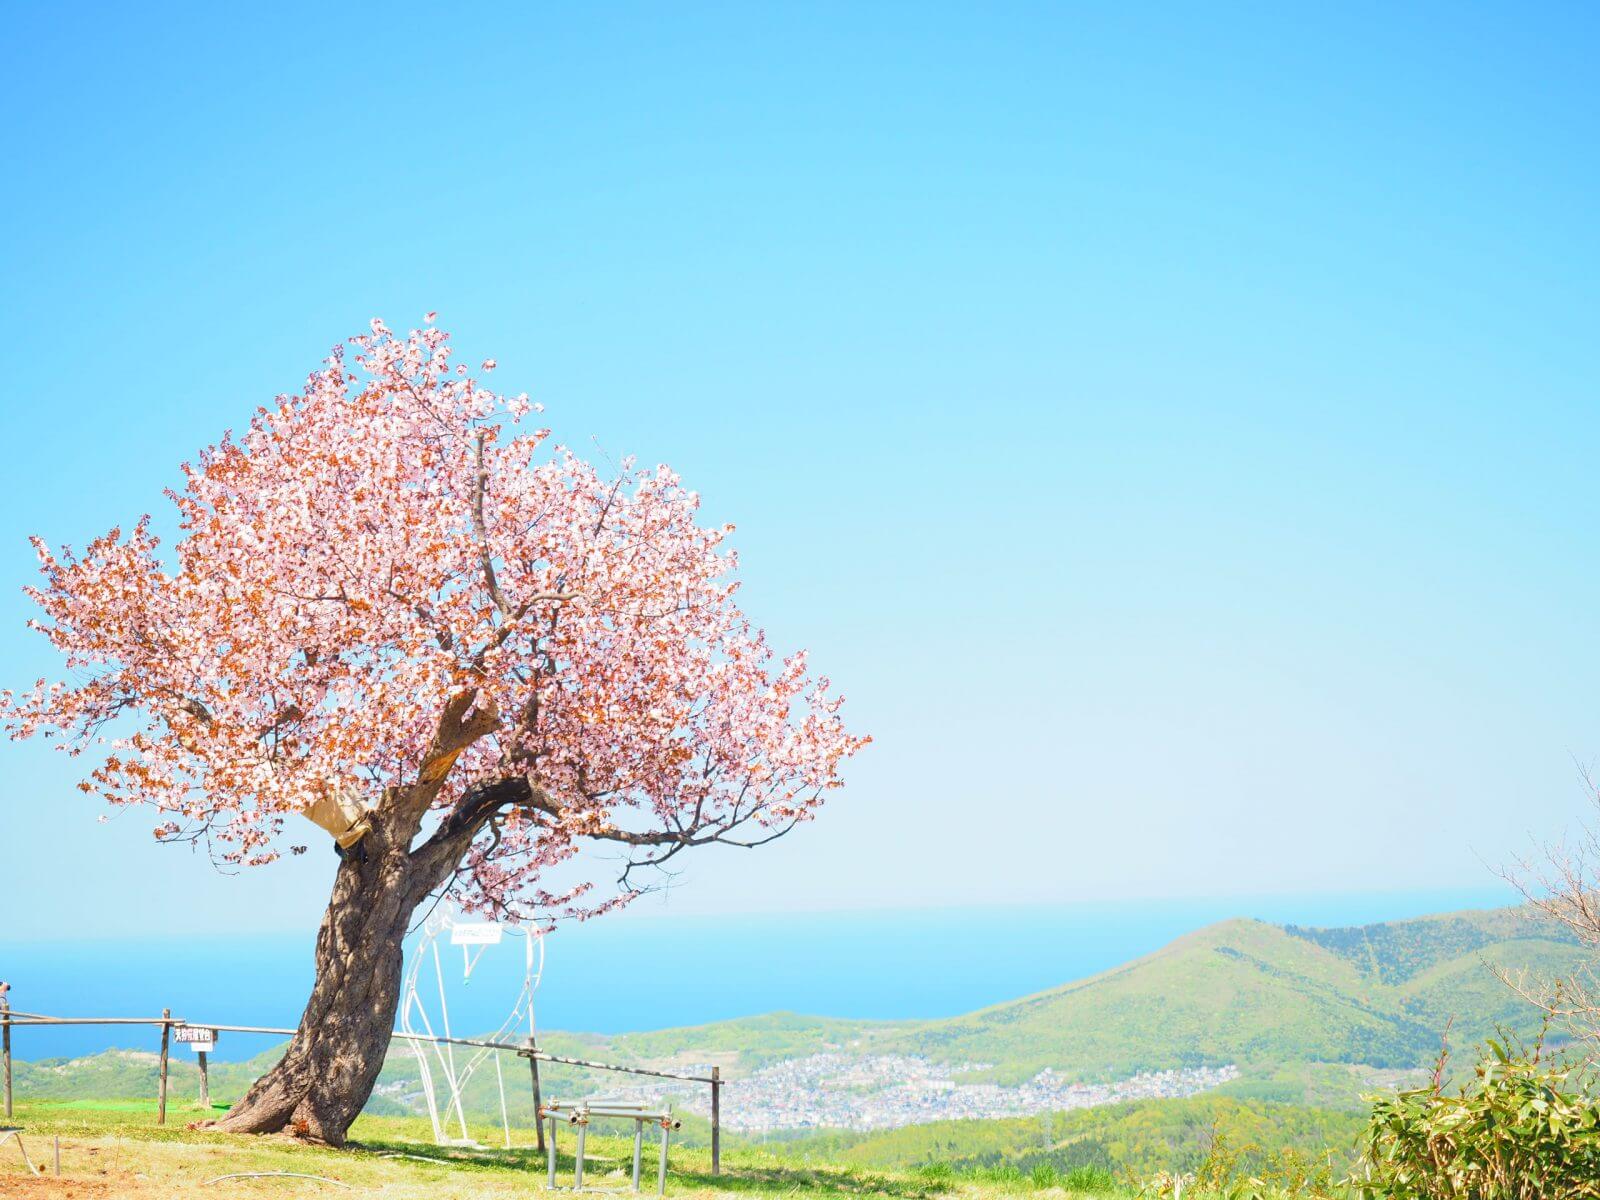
396,608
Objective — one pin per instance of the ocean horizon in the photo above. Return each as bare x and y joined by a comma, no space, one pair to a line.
658,971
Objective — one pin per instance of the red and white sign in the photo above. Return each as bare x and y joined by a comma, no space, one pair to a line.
196,1037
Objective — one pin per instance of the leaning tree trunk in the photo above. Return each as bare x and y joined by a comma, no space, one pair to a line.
319,1087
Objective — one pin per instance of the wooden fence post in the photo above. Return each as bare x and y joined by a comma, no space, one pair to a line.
5,1028
538,1101
166,1038
716,1120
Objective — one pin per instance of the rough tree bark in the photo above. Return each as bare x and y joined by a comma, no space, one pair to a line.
325,1077
319,1087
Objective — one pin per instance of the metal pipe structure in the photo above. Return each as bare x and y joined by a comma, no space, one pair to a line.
35,1019
638,1147
600,1066
579,1115
577,1166
550,1155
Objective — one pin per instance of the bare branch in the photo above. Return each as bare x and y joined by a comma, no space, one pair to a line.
1564,888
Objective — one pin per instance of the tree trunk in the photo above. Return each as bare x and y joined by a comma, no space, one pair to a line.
319,1087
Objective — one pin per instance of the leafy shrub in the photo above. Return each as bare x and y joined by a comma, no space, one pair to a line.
1525,1128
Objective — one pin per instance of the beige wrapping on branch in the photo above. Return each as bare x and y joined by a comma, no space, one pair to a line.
342,814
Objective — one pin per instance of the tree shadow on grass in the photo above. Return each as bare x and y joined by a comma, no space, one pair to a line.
609,1171
824,1181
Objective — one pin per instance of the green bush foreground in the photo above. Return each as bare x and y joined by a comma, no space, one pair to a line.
1525,1128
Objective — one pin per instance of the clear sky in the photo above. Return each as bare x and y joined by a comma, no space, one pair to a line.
1173,427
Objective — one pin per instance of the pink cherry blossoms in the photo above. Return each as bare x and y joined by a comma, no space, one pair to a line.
390,555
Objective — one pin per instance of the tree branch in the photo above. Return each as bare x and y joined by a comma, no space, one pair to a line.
462,722
485,555
436,858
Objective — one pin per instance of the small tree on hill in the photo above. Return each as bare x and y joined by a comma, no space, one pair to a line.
464,654
1561,882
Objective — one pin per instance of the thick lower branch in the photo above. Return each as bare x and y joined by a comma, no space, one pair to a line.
443,851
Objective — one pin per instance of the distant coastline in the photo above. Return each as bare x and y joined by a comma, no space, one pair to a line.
841,964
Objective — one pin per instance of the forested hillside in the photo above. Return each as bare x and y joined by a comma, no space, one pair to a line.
1248,992
1240,991
1137,1139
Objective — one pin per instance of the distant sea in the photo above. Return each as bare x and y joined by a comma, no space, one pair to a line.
633,972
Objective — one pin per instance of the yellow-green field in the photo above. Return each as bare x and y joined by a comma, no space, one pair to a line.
115,1149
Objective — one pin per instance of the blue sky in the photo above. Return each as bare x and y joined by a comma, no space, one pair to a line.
1172,426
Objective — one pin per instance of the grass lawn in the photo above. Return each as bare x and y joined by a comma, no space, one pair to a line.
115,1149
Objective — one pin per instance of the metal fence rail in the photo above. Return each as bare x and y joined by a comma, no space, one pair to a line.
10,1019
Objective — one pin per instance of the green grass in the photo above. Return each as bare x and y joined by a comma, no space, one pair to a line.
1088,1150
117,1150
147,1107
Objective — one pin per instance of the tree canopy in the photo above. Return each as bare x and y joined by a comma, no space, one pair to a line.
394,591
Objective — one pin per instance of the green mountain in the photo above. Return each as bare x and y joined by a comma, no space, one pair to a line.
1247,992
1240,991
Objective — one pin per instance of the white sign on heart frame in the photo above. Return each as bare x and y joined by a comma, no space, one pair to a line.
474,937
476,933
